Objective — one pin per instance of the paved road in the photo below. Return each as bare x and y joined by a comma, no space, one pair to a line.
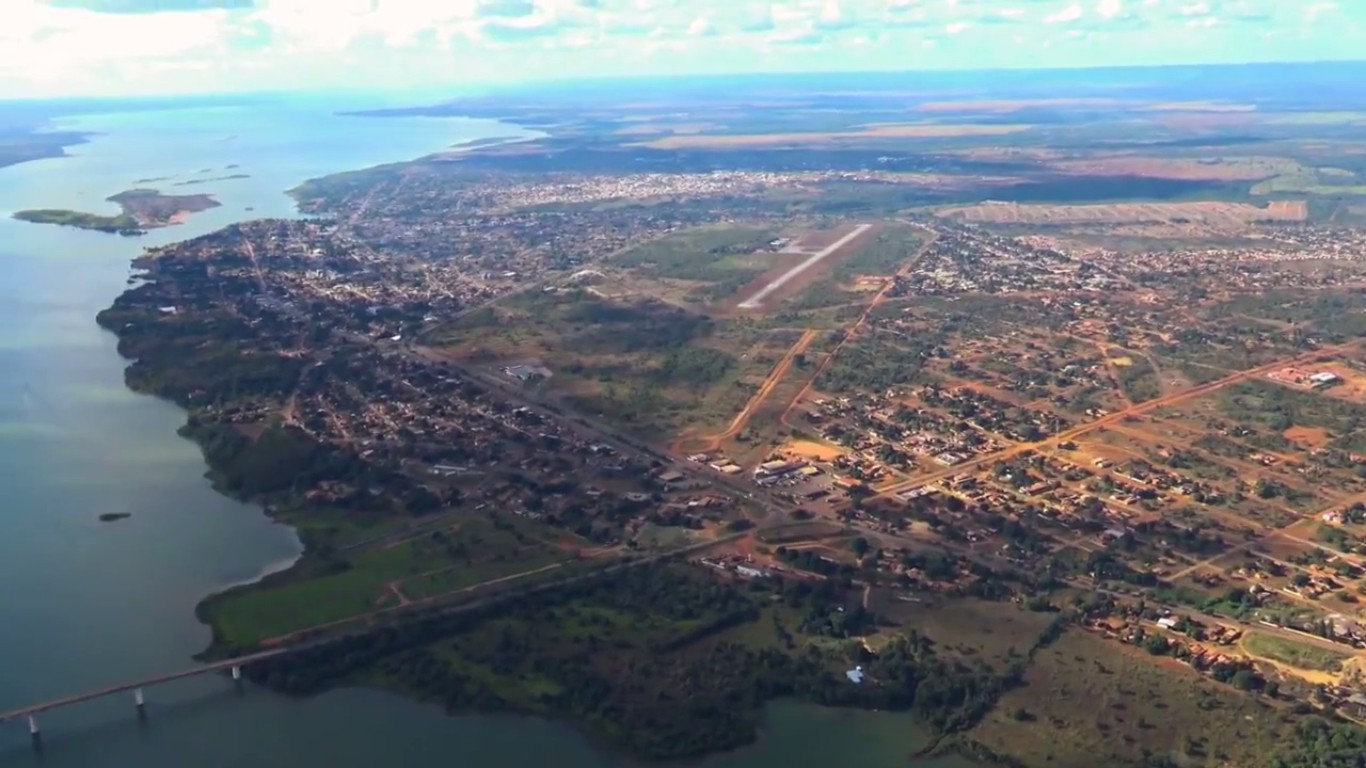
33,709
754,301
434,610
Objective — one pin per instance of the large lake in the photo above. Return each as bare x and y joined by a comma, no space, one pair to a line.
85,604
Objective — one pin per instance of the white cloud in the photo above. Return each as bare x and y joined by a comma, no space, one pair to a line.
700,27
833,16
1315,10
330,43
310,25
1066,16
69,42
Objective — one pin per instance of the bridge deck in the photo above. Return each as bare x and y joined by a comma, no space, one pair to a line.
16,714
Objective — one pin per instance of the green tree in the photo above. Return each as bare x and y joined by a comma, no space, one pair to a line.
1156,645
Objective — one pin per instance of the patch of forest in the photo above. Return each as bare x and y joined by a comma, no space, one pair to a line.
666,662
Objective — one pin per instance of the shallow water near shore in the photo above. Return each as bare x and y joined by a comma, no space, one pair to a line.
87,604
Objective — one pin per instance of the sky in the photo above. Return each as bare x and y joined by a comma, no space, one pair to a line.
51,48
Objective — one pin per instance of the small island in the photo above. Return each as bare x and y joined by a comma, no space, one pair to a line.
192,182
109,517
143,209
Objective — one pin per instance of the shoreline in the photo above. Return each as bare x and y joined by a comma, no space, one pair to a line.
203,435
117,319
140,377
141,265
48,150
142,209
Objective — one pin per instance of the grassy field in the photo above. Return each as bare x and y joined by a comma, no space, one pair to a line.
1137,377
974,629
1301,655
345,527
649,367
1311,181
357,586
884,131
354,583
1087,702
882,255
720,260
460,577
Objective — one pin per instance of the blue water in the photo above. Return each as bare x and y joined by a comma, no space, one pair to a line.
85,604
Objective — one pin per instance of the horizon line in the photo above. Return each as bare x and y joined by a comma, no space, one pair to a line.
532,84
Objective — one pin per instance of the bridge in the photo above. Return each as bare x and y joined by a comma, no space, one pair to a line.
233,666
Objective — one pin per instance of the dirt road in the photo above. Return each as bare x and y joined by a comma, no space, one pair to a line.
1113,418
856,327
737,424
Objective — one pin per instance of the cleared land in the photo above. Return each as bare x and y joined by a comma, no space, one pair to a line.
810,449
1013,105
765,389
1299,655
1087,703
757,300
1230,169
646,365
1311,181
380,576
700,266
902,130
1209,213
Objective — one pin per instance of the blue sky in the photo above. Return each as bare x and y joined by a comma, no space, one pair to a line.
126,47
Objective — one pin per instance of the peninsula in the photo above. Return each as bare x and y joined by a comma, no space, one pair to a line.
25,143
643,424
143,209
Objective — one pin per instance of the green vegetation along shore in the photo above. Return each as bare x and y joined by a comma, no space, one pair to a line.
994,666
142,209
665,662
596,650
122,223
24,143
